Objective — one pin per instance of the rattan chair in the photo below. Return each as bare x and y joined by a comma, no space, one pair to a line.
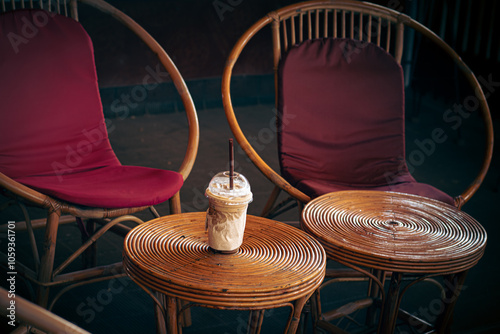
313,45
310,164
32,318
54,147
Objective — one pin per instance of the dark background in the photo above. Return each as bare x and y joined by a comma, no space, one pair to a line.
198,36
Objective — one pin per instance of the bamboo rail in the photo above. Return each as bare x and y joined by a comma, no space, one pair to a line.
45,276
398,233
361,21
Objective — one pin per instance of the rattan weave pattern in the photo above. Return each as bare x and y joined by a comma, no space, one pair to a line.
276,263
395,232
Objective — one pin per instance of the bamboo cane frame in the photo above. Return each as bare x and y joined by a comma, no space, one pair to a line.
462,243
287,277
30,313
46,276
373,11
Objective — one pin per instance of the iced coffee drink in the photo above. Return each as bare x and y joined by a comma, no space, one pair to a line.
226,214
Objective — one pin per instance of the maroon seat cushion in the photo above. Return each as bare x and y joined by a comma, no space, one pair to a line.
110,186
341,119
315,188
53,136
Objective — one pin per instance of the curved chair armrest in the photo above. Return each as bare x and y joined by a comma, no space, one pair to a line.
485,111
194,132
36,316
401,20
233,123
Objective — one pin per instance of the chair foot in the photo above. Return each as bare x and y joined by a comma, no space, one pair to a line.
89,257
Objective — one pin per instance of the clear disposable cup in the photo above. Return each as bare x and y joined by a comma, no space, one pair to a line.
227,211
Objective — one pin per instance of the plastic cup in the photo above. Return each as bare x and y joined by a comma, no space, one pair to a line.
227,211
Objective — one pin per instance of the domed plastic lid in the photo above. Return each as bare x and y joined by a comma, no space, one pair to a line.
220,184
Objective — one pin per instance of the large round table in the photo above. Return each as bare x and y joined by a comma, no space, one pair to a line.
277,265
397,233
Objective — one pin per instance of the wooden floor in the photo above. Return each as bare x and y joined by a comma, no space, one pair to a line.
119,306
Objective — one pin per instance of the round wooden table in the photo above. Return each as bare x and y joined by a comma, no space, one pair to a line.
277,265
397,233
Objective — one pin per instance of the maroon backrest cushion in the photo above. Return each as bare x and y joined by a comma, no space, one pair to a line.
341,114
49,97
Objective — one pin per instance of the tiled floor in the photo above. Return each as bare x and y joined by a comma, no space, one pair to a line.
154,140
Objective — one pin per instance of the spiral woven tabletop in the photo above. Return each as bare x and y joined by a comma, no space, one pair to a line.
394,232
275,264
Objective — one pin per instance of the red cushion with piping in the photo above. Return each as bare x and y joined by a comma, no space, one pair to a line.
53,135
341,119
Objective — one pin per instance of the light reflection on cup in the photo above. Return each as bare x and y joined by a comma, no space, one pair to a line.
226,214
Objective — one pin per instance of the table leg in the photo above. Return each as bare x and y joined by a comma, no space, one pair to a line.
390,306
255,321
47,261
298,306
374,293
453,286
171,310
185,320
159,315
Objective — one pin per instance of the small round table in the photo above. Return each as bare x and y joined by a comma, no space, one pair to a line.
277,265
397,233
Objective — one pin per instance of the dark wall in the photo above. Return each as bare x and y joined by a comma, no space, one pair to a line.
197,34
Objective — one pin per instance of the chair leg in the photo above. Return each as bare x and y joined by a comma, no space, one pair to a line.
315,309
90,254
297,311
453,286
304,317
255,320
175,208
175,204
270,201
47,261
155,213
374,292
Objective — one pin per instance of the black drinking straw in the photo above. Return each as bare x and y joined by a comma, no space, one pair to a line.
231,164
